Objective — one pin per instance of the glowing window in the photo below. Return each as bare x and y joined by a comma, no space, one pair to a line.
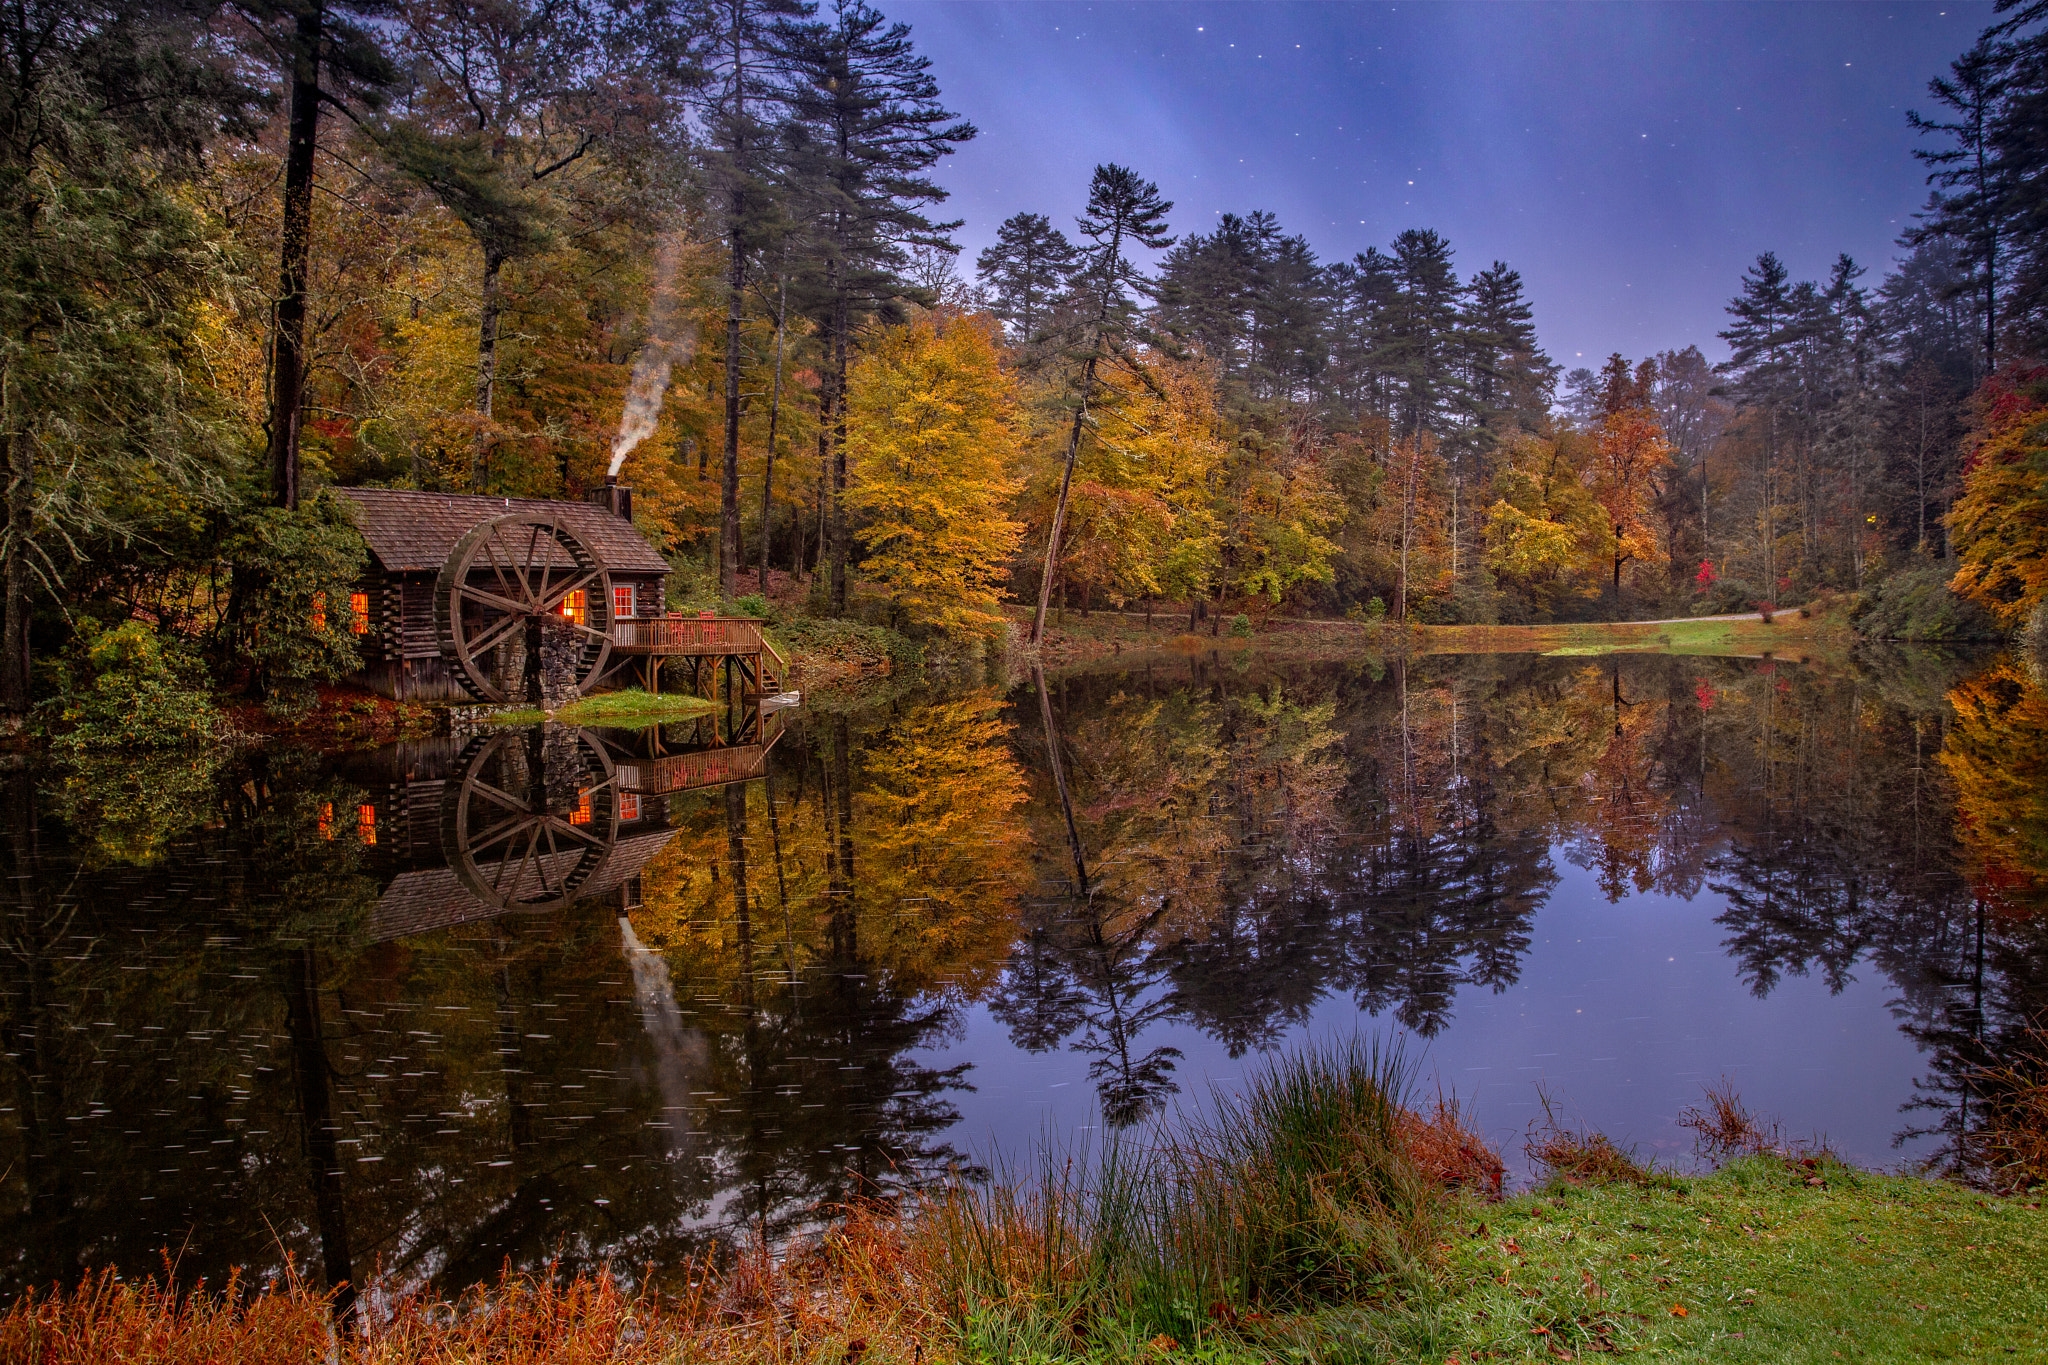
359,613
366,824
629,806
327,820
576,606
622,600
319,611
581,815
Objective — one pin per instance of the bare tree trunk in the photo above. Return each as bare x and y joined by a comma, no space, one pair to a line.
288,343
1059,510
774,420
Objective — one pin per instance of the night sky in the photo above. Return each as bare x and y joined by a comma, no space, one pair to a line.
1629,160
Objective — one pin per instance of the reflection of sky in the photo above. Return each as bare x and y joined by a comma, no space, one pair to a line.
1623,1011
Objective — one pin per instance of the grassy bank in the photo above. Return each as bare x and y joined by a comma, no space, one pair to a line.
1313,1217
1824,635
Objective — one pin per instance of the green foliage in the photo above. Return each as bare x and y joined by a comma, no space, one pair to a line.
293,573
1241,626
1915,604
847,642
753,604
139,691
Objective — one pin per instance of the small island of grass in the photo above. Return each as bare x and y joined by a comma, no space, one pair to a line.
629,708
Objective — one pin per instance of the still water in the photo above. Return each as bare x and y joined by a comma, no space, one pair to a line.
600,996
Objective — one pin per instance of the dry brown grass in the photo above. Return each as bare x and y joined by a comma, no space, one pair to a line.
1579,1155
2009,1145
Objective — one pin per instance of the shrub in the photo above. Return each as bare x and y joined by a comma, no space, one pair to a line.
1241,626
290,618
139,691
753,604
1376,611
1916,604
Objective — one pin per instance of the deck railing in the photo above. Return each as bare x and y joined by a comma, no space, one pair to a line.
689,635
687,772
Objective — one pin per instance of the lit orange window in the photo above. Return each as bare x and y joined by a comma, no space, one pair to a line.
581,815
576,606
319,611
359,613
629,806
366,824
622,600
327,820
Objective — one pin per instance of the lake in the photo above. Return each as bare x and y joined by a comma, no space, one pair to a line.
553,994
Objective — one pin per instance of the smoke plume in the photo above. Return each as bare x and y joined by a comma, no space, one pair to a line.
668,345
679,1052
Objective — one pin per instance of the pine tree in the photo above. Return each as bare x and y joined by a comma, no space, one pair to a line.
1509,379
1025,272
1124,213
509,96
748,91
1972,185
866,124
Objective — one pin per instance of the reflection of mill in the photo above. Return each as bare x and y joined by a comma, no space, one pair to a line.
535,819
514,822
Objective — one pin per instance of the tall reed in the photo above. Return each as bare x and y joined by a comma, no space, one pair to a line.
1304,1187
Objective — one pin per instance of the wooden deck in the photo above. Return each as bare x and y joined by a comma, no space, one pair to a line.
739,639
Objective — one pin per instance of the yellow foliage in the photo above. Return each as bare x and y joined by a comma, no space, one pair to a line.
932,434
2000,523
1142,521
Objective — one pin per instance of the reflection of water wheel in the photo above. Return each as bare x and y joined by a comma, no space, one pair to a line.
530,816
508,613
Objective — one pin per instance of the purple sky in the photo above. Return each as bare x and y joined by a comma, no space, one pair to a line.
1629,159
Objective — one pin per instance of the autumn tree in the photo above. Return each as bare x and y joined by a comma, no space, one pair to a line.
1631,455
932,430
1142,516
2000,523
508,99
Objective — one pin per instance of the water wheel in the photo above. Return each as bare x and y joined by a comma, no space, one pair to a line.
522,609
531,816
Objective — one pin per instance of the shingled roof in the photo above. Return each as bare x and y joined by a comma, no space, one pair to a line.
411,532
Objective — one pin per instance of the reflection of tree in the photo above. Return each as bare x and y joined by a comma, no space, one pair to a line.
831,925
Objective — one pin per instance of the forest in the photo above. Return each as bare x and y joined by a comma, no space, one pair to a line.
259,248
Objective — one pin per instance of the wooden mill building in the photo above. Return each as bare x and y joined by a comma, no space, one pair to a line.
418,540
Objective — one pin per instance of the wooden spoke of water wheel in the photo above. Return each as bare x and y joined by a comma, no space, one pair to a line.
501,579
512,844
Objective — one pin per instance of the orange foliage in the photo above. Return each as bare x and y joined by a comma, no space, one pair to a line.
2000,523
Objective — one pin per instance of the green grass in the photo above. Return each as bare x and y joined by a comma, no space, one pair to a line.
1767,1264
627,709
1825,635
